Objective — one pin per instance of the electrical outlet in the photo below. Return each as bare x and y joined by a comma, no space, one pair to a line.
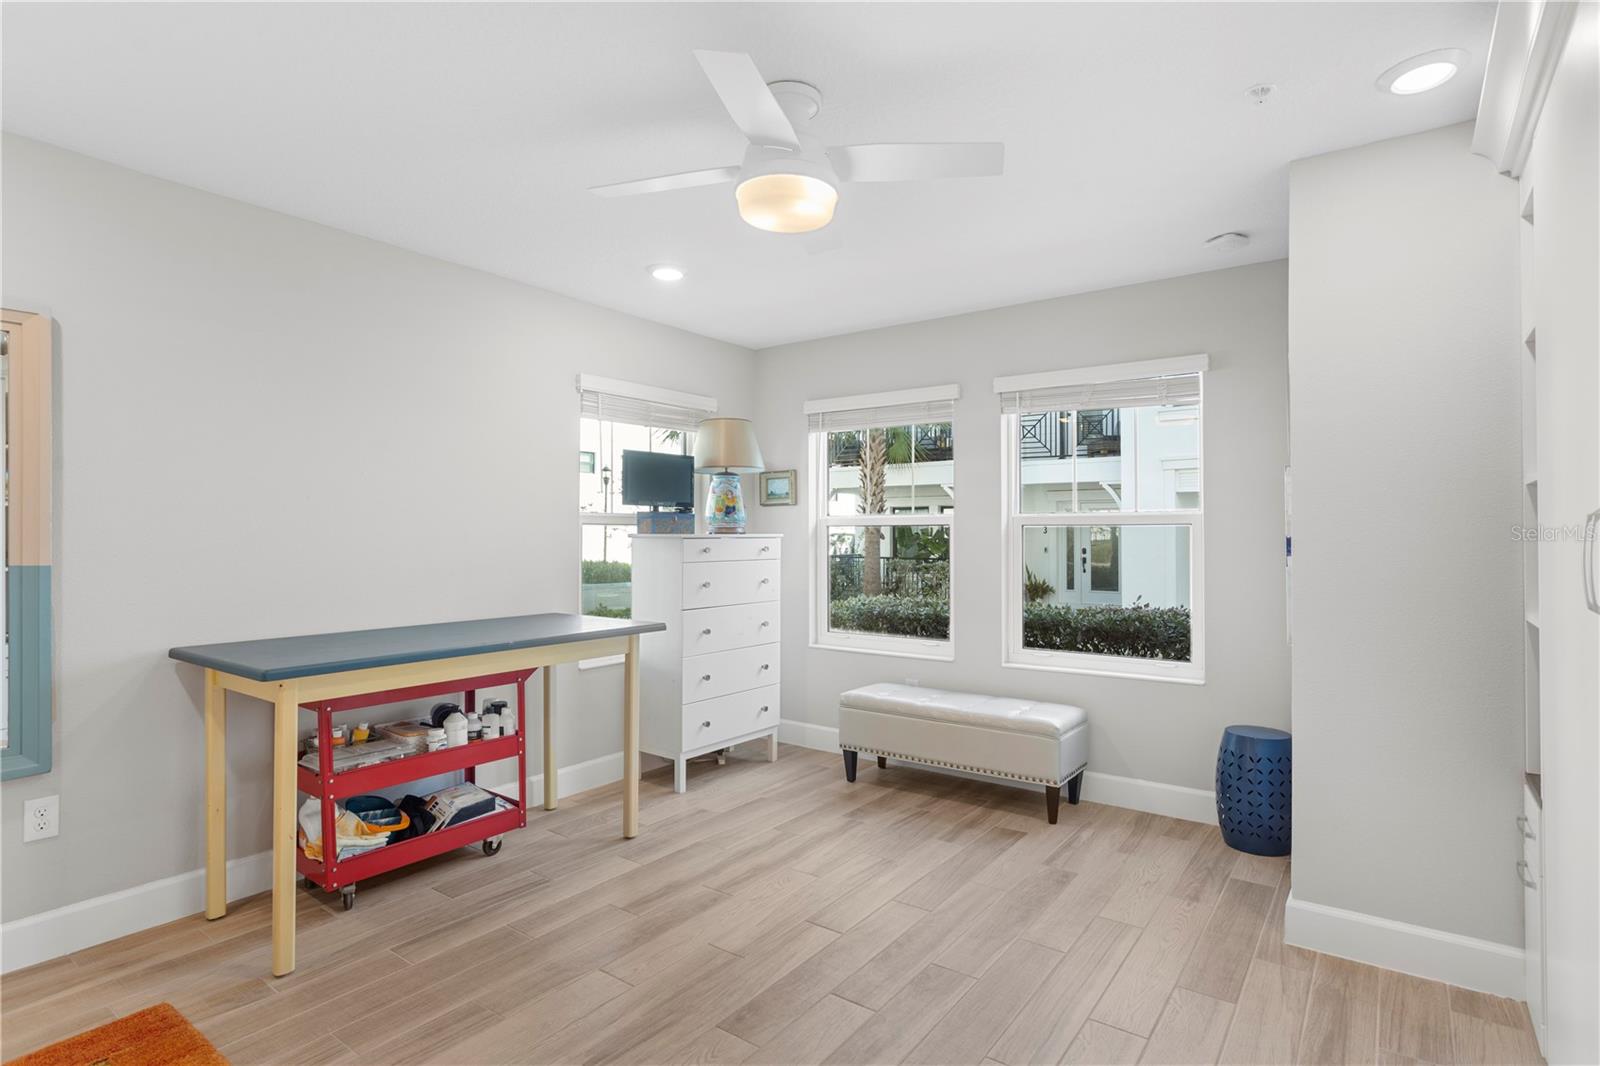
41,818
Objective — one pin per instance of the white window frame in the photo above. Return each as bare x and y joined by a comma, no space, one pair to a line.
821,522
1013,521
629,396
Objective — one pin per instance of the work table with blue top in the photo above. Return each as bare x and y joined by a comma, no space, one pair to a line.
289,672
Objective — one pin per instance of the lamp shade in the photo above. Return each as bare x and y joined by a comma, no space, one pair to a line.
727,444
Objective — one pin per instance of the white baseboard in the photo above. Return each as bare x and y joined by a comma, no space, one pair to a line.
1174,801
51,934
1156,797
1481,965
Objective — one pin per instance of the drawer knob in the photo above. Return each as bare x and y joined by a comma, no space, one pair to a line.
705,677
705,584
766,547
766,581
705,632
764,625
766,666
763,710
705,725
706,550
1522,824
1522,874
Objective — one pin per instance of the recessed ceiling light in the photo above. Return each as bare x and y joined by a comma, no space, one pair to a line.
666,272
1421,73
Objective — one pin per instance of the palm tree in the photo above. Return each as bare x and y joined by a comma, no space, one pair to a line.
879,448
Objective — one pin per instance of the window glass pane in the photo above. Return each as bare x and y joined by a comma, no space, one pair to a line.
1100,472
1044,445
1169,457
1107,590
607,571
889,579
891,470
600,448
1060,450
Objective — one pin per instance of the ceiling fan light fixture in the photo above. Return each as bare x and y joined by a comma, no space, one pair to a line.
786,203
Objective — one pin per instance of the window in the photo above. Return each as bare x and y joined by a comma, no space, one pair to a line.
617,417
1104,543
883,502
25,691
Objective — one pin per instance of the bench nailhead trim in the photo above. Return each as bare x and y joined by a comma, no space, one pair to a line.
963,766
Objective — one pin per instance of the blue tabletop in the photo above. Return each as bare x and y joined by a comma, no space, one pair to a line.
281,658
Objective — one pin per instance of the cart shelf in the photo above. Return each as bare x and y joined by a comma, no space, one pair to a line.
409,768
414,849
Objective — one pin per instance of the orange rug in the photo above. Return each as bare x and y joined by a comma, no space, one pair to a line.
157,1035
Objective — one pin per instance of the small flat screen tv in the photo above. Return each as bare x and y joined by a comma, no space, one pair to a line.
655,479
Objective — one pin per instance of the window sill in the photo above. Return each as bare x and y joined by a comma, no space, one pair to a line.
893,653
604,660
1092,671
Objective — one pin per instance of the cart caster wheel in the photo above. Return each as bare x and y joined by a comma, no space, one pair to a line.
492,847
308,883
722,757
348,895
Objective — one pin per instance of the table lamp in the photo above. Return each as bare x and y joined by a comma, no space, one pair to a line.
726,448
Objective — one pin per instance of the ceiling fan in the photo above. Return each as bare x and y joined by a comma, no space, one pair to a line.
789,181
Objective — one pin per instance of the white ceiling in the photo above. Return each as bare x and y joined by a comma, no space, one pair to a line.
470,132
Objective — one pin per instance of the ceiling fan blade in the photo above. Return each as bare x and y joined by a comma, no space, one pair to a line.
750,103
668,182
916,162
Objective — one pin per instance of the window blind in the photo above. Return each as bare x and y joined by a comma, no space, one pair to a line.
640,410
1133,392
936,404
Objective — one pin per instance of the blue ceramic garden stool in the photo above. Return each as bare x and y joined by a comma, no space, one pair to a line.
1253,794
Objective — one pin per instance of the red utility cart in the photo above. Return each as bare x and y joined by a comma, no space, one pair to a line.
329,787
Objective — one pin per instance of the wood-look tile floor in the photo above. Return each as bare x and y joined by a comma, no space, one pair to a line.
777,914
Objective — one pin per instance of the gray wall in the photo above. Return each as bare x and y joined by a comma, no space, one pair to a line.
1157,731
265,427
1407,588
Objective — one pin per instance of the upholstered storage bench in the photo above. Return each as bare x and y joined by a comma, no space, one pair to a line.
1023,740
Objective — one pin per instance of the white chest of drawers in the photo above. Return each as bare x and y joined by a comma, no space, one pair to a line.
712,680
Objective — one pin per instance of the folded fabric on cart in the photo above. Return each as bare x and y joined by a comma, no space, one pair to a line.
365,824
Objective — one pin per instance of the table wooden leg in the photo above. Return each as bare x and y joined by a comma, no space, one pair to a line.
216,797
285,734
550,793
630,740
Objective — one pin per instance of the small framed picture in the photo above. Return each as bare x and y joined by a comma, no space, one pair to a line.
777,488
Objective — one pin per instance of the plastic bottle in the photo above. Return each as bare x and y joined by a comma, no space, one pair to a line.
455,730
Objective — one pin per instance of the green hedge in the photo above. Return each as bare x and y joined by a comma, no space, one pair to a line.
1140,631
903,616
600,610
604,572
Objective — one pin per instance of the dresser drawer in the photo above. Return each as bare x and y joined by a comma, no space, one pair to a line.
719,720
730,546
743,625
722,672
735,581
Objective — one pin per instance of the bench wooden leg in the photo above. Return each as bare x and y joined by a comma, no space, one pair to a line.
1074,787
883,763
849,766
1052,802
